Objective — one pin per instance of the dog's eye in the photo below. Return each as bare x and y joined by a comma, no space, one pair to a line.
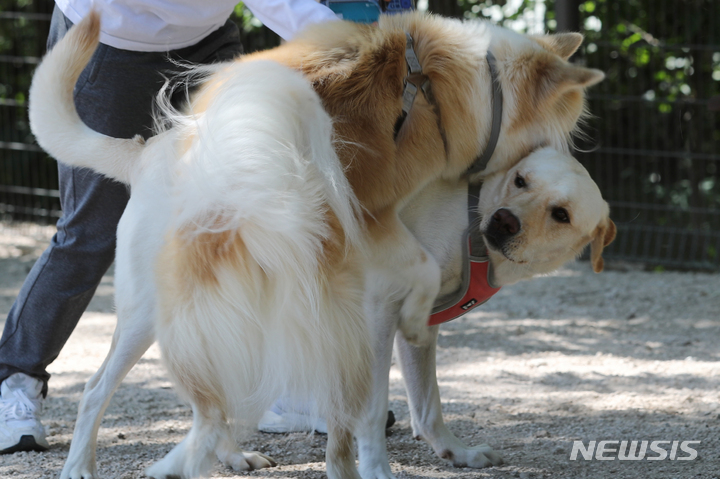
560,215
520,182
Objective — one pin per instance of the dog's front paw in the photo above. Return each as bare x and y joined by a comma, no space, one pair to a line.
159,471
228,452
247,460
377,472
476,457
417,305
78,472
80,464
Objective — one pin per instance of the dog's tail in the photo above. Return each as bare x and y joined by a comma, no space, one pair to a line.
54,119
261,281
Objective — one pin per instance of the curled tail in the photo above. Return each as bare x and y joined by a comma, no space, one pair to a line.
54,119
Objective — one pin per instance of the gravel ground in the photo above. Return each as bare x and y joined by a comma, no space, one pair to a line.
624,355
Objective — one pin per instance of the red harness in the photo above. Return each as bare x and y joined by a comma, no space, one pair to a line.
476,287
475,290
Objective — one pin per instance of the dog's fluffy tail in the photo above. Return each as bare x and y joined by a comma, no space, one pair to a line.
54,119
260,282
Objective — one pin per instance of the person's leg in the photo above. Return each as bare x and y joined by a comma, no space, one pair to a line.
113,96
55,293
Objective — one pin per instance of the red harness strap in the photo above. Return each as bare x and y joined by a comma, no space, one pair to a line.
476,287
478,292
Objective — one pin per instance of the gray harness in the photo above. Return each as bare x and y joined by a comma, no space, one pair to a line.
416,80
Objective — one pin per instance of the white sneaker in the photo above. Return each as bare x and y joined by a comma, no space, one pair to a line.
284,417
20,408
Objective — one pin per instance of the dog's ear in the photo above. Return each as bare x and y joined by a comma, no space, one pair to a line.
551,89
558,88
561,44
603,236
561,76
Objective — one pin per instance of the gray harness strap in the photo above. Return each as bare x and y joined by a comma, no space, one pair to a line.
414,68
497,110
415,79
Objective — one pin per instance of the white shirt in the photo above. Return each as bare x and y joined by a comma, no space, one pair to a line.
162,25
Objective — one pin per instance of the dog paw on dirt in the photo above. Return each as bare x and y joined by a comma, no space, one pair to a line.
229,454
476,457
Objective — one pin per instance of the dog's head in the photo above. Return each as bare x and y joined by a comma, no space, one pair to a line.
542,213
360,72
543,94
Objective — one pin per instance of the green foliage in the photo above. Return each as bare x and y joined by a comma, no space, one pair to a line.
245,19
255,36
519,15
662,61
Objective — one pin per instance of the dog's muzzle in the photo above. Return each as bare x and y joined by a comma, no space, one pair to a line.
502,227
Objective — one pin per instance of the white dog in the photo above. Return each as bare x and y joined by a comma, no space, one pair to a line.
253,246
551,185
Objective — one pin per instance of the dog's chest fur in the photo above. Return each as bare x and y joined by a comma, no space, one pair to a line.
437,217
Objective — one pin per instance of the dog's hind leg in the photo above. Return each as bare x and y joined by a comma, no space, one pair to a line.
194,455
418,369
210,431
370,432
339,456
130,340
346,405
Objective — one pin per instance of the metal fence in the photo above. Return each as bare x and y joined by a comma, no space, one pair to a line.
656,132
653,139
28,178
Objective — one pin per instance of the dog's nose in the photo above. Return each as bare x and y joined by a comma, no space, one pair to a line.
505,222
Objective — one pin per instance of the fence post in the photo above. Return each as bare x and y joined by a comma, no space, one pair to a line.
567,15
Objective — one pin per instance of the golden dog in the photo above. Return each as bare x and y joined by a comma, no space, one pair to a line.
264,221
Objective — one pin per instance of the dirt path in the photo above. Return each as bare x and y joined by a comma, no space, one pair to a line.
625,355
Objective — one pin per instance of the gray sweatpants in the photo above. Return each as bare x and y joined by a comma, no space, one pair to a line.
113,96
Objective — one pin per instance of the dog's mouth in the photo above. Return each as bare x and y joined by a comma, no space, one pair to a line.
493,243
